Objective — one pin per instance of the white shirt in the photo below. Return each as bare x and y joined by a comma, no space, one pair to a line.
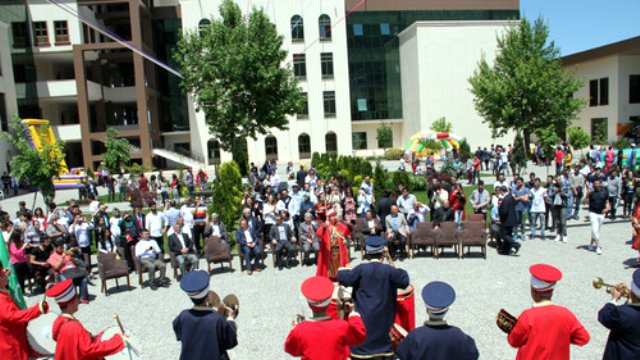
81,231
154,223
247,236
187,214
142,247
114,228
181,239
538,204
216,229
93,207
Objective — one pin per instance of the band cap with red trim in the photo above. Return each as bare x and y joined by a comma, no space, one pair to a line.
544,277
62,292
331,213
317,290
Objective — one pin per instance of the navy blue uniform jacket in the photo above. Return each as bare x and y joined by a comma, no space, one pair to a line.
441,342
624,338
204,334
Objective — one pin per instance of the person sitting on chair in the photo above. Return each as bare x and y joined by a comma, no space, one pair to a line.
63,263
442,214
147,251
308,237
397,232
181,246
282,238
217,229
249,245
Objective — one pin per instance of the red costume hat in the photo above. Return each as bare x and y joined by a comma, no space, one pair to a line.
544,277
318,291
331,213
63,292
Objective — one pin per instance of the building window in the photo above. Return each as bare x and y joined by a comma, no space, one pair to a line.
4,124
213,152
297,28
599,131
386,143
304,114
385,29
40,33
202,25
593,93
20,34
359,140
271,147
329,103
180,148
304,146
62,32
300,66
604,91
357,30
324,23
326,62
634,89
331,142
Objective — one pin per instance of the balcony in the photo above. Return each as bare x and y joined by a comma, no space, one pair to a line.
62,90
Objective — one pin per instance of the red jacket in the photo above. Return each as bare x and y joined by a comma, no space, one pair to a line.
13,328
324,233
73,342
325,339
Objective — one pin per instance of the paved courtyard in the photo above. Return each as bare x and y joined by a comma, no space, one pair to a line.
269,300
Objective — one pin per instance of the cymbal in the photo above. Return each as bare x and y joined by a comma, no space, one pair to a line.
231,301
214,299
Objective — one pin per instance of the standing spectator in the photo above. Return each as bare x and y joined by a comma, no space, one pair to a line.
311,179
122,187
200,220
559,158
538,208
156,223
164,190
458,201
549,205
486,158
171,213
190,182
577,181
349,207
633,158
364,203
469,166
507,212
559,197
128,237
268,214
628,190
104,243
81,229
614,189
175,187
300,176
384,206
477,165
367,186
110,183
504,162
609,157
598,208
406,202
479,199
114,226
201,179
500,182
521,195
143,183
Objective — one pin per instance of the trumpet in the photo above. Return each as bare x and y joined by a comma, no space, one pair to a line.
599,283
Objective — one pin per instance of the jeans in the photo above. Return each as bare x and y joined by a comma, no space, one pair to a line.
559,214
82,283
520,219
613,204
576,204
628,204
191,189
247,252
534,220
188,258
197,234
457,217
288,247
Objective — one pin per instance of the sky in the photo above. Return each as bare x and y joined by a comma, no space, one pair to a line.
578,25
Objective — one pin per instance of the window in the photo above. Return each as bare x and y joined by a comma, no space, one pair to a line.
359,140
593,93
599,131
604,91
180,148
213,152
634,89
62,32
4,125
40,33
329,103
331,142
324,23
271,147
297,28
326,62
202,25
304,114
20,35
357,30
385,29
304,146
300,65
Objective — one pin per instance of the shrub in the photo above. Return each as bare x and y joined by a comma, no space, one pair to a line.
621,143
393,154
397,178
227,196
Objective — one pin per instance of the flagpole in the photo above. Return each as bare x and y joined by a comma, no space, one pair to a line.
14,287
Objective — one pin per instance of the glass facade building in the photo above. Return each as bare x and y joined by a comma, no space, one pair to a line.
374,55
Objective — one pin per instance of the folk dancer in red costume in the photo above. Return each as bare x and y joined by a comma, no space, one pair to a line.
13,323
545,331
333,252
323,337
73,342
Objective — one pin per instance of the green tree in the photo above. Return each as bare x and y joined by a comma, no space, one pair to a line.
118,151
578,138
547,139
465,149
35,167
526,88
519,156
385,136
227,195
441,125
232,68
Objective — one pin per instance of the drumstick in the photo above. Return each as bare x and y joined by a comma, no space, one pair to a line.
126,343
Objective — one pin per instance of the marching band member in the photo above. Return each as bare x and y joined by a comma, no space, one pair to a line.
336,335
13,322
624,323
436,339
333,253
73,342
375,291
204,333
546,330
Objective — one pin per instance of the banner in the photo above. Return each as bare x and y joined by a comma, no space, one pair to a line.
14,287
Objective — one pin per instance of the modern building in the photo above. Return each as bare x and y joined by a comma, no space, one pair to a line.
8,102
611,90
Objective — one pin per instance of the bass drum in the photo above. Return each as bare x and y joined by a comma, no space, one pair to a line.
406,308
131,352
40,337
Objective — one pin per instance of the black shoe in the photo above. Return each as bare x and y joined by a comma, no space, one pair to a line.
153,285
165,281
288,264
516,250
280,266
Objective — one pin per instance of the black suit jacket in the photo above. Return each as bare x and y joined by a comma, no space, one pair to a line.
300,175
507,211
384,208
442,215
175,246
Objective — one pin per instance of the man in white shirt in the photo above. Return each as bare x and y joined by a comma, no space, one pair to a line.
181,246
156,223
216,229
406,201
147,251
538,208
248,242
93,205
501,182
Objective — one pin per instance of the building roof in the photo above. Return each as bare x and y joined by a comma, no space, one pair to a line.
386,5
625,47
454,23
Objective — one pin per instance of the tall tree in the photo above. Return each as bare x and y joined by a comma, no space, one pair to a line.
233,69
227,195
36,167
441,125
118,151
526,88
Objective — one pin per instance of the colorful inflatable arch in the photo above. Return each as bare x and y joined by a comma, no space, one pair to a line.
415,144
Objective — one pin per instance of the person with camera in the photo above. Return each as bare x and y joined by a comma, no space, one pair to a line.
81,229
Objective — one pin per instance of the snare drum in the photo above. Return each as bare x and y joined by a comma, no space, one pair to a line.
131,352
39,335
406,308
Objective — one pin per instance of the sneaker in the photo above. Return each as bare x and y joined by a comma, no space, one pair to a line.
599,250
558,238
565,239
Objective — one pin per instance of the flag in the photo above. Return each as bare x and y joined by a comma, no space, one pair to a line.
14,287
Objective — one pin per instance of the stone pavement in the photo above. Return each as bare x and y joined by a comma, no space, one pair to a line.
270,299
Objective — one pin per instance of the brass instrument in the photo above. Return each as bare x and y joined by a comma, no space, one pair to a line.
505,321
599,283
388,256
